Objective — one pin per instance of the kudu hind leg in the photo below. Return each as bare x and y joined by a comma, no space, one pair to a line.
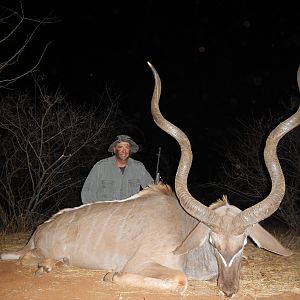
152,276
31,258
47,265
34,258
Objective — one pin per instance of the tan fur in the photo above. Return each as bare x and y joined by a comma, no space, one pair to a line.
220,202
162,188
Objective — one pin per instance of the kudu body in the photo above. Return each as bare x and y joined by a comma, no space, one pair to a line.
152,240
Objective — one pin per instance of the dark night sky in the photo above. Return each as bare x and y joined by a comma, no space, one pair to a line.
218,62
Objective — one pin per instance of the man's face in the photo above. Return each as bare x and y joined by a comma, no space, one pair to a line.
122,150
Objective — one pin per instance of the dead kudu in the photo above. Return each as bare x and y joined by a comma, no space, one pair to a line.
152,240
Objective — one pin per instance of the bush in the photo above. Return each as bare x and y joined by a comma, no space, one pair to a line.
47,147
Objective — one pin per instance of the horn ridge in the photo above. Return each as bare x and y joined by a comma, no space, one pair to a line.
270,204
189,203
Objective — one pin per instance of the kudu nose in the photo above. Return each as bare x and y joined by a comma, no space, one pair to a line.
228,291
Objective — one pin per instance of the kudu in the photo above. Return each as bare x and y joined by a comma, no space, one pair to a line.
152,240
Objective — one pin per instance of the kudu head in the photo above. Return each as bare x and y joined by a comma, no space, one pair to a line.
226,227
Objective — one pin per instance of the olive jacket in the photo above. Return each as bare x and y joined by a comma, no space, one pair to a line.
106,181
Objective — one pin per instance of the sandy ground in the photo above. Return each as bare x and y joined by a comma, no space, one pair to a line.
264,276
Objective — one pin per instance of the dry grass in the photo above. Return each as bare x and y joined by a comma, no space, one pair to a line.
263,273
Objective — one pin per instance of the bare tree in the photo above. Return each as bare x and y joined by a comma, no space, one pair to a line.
47,147
243,174
17,31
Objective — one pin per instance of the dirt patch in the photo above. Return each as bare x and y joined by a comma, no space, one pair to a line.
264,276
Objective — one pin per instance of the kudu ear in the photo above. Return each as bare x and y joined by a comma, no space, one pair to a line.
195,239
263,239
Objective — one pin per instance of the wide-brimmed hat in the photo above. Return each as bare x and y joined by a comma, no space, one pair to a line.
124,138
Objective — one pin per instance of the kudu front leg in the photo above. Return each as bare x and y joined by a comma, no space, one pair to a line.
152,276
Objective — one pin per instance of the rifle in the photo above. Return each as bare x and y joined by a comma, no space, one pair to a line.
157,176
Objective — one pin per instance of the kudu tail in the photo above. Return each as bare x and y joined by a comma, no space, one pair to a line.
17,254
